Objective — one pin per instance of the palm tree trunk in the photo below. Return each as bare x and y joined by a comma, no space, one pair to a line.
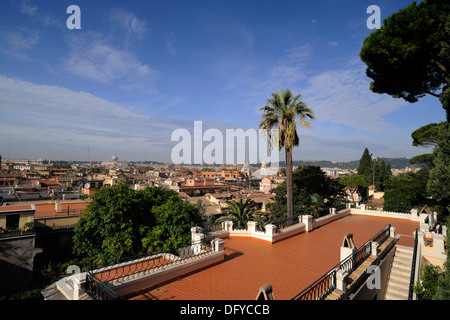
289,189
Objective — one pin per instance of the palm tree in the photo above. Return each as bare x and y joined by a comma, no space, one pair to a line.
281,111
263,218
239,212
316,204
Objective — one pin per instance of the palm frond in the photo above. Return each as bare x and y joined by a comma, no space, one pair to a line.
281,111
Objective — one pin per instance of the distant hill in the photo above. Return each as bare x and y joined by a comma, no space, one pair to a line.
396,163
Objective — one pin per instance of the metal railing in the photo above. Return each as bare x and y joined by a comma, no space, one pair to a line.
355,259
382,235
327,282
53,213
98,290
11,234
320,288
413,267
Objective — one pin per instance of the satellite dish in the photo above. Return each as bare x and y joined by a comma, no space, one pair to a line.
87,185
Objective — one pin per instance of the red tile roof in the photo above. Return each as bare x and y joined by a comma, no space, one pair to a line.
49,210
15,208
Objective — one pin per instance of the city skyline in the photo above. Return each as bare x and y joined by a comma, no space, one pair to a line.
137,71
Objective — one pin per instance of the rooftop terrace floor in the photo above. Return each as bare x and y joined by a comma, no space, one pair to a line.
290,265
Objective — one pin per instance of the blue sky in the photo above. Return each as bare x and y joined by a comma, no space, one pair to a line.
138,70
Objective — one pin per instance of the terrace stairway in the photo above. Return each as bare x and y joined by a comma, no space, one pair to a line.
398,283
355,277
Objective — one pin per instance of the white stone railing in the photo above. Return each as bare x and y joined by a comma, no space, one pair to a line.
272,233
72,287
387,214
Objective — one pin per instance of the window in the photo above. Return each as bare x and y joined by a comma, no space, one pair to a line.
12,221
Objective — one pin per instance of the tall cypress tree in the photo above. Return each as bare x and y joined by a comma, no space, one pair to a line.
382,173
365,166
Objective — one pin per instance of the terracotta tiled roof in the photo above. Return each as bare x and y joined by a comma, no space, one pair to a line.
15,208
49,210
49,183
289,265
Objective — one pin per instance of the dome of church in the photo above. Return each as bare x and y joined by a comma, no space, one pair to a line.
114,157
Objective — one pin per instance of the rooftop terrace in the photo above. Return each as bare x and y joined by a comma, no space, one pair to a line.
290,265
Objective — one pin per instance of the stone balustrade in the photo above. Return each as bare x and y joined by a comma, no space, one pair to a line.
272,233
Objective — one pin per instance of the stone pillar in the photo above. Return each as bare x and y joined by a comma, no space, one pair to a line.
420,241
197,234
438,245
433,216
392,232
340,280
271,229
375,246
332,210
219,245
251,226
76,288
423,225
363,206
307,220
414,212
228,226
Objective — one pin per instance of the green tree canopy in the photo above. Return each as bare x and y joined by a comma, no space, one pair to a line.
426,135
118,218
427,287
316,204
365,166
408,57
240,212
439,180
422,160
381,174
357,183
443,284
374,170
405,192
307,181
172,229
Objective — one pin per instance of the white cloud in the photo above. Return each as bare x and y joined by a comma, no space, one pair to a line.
33,114
291,68
31,10
111,57
45,120
127,26
343,97
27,8
287,71
17,44
332,43
96,59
